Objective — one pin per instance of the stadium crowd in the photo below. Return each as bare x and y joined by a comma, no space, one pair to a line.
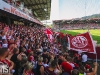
27,51
78,26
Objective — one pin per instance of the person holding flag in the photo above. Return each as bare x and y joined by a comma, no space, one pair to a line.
84,43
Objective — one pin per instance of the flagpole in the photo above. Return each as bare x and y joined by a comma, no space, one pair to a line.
96,57
86,17
96,60
88,25
95,54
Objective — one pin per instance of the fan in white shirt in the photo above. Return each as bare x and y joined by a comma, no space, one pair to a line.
5,44
72,65
4,37
45,60
84,58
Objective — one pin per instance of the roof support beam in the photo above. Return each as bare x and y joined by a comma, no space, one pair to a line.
39,9
29,5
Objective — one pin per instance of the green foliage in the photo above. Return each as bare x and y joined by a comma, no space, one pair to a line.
94,32
92,16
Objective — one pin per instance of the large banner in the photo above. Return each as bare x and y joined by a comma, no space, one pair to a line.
82,42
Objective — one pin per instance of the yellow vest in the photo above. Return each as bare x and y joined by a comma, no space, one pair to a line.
81,74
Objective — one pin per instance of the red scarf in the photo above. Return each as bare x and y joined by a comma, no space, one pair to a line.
29,73
6,62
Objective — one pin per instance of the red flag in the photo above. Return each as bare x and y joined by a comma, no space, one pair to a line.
48,31
49,34
82,42
61,35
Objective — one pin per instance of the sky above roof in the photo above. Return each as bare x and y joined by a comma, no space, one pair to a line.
69,9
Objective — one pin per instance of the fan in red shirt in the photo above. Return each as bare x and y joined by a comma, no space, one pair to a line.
3,54
66,65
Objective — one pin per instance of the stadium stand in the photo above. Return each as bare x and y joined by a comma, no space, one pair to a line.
26,50
80,24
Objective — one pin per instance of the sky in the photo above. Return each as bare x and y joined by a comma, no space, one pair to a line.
70,9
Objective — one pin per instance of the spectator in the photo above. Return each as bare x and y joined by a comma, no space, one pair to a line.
69,59
81,70
4,60
26,44
15,54
0,42
31,56
84,59
45,62
58,69
28,69
5,44
66,66
94,71
40,67
75,72
22,62
50,70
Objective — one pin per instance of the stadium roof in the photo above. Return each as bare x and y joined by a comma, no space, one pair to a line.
40,8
